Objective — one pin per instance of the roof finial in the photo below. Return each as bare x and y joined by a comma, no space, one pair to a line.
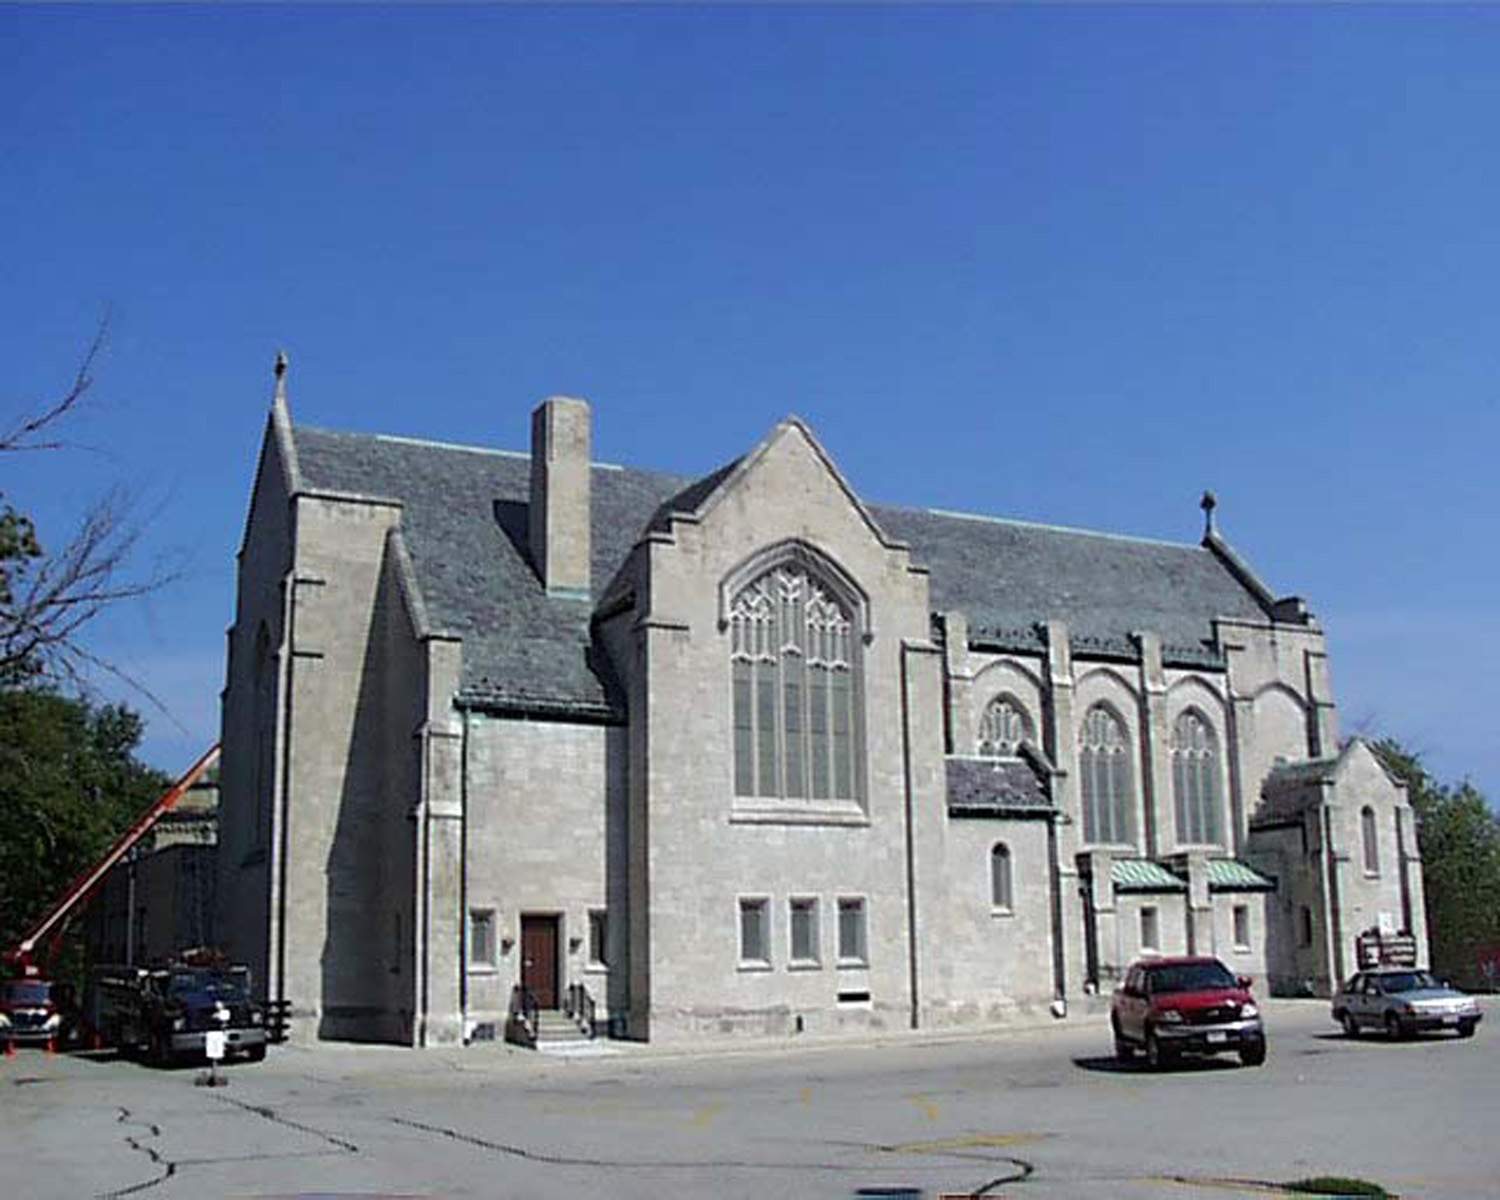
1208,504
280,369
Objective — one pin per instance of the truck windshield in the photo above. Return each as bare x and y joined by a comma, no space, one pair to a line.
205,983
1190,977
26,993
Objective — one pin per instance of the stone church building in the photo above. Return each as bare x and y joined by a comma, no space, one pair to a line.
748,754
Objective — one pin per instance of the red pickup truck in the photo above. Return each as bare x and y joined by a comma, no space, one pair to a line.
1169,1007
36,1011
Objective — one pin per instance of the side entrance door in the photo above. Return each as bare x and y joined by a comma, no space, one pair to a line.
539,959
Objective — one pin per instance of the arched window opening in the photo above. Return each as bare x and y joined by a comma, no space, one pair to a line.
1002,893
793,647
1003,728
1195,780
1371,840
1104,767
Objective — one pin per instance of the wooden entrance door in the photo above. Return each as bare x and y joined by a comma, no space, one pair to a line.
539,959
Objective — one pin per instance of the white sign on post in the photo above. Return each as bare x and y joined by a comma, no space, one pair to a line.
213,1044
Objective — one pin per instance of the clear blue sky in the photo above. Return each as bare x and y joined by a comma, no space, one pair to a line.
1069,265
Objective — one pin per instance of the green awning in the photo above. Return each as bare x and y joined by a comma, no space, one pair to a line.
1143,875
1230,875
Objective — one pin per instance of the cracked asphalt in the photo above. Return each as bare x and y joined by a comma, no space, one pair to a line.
1040,1112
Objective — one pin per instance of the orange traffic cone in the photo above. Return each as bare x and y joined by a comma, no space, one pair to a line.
10,1049
51,1045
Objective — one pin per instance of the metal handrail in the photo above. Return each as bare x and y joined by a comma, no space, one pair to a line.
523,1004
581,1007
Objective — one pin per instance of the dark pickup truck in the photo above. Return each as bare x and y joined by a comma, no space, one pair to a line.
168,1012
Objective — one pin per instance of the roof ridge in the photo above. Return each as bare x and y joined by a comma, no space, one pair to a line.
1017,522
434,444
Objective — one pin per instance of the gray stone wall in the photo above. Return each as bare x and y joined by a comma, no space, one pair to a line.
247,838
705,849
545,836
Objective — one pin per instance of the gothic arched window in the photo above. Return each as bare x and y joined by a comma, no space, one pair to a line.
1195,780
1104,768
1002,890
1003,728
794,649
1371,840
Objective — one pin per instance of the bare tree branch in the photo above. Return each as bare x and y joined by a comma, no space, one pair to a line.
21,436
48,598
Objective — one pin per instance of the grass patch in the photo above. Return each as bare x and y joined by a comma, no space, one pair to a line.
1336,1185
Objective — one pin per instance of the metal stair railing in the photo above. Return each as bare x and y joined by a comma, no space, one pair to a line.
523,1006
580,1006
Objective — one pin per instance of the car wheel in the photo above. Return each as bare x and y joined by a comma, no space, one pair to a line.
1466,1029
256,1053
1393,1028
161,1051
1156,1054
1252,1054
1351,1026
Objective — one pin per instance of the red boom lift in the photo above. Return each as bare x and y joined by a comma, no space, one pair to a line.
23,956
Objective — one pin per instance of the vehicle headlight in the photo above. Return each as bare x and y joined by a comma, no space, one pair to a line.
179,1024
1169,1016
4,1021
256,1018
1248,1010
53,1022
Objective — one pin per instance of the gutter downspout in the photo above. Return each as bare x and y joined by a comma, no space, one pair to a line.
911,866
1059,961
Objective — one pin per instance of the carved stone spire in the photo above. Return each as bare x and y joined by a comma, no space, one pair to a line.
280,369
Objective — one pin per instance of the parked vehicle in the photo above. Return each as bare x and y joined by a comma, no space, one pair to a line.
168,1012
36,1011
1169,1007
1403,1002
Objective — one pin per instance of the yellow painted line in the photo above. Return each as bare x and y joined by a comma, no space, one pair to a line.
707,1113
974,1141
925,1103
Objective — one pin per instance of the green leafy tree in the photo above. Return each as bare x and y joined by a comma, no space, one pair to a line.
70,784
1459,838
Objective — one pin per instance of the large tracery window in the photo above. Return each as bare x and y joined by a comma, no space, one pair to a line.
1104,768
1003,728
1195,780
793,648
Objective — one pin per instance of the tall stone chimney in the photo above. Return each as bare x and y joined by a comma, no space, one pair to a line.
560,501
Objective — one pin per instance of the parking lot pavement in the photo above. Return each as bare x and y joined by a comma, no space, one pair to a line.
1034,1113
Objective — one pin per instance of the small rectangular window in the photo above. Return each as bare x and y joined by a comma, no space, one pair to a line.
598,938
482,937
755,933
853,948
804,924
1150,933
1242,927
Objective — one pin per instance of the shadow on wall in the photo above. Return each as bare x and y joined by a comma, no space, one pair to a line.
366,963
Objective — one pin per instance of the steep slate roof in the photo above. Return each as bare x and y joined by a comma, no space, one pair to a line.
1006,576
996,787
465,524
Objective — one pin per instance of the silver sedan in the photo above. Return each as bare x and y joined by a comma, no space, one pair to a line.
1402,1002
